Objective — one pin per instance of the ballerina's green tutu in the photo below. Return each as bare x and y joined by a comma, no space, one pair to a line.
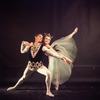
59,69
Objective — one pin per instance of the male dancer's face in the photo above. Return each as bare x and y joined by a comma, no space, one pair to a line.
39,38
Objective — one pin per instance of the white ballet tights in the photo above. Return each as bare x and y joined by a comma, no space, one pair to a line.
28,71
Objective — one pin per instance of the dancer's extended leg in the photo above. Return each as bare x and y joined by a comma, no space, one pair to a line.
26,73
74,32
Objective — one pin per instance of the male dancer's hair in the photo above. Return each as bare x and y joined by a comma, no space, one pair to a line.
38,34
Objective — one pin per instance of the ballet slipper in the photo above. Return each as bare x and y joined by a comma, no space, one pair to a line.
57,86
50,94
11,88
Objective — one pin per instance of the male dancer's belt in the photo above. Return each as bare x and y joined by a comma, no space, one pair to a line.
35,65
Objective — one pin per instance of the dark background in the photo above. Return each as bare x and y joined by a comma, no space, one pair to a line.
21,19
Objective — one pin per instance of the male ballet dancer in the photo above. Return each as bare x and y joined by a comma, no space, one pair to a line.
34,63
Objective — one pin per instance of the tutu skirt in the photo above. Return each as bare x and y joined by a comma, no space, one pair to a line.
60,70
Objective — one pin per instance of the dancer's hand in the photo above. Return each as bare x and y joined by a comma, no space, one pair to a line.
26,43
30,44
67,60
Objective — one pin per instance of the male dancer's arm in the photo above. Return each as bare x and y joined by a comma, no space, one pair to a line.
24,47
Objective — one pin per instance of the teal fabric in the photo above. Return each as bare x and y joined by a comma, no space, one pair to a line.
59,69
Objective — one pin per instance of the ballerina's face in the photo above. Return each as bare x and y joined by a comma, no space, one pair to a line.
47,40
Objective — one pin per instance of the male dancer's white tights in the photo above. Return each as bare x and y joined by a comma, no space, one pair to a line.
28,71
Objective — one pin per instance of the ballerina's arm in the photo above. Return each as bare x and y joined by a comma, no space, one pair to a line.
51,52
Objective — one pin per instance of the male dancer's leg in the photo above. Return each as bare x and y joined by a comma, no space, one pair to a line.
26,74
43,70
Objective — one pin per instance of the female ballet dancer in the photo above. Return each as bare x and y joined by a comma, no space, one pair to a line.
65,47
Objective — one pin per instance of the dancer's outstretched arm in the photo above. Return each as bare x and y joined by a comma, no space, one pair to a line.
51,52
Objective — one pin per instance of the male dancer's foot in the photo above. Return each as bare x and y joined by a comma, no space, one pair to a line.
11,88
50,94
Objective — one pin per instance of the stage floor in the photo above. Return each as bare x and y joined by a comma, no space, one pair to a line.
68,91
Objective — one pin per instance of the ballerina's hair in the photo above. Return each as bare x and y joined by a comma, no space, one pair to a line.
48,34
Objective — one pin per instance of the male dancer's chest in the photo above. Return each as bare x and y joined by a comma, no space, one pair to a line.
34,50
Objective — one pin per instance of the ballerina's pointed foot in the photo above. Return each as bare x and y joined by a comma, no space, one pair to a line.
50,94
76,29
11,88
57,86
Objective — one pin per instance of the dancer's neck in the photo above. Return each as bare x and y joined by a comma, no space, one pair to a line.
37,43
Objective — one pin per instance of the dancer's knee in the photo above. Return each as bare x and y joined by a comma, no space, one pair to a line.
48,75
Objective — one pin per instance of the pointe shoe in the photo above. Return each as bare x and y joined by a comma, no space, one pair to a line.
50,94
11,88
57,86
76,29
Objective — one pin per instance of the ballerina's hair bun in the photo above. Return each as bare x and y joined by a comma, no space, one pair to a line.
48,34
